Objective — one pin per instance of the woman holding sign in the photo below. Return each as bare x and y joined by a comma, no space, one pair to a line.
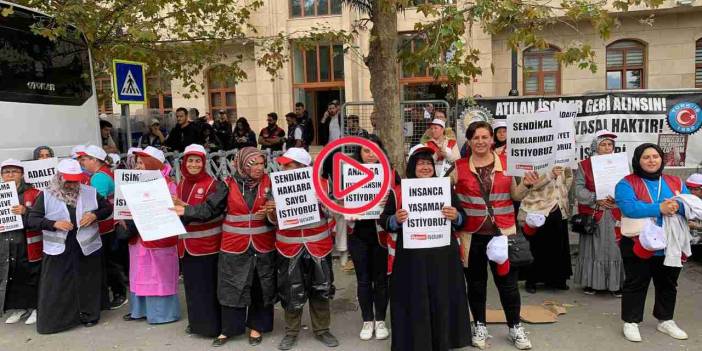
486,194
644,198
71,274
599,265
429,308
153,265
20,253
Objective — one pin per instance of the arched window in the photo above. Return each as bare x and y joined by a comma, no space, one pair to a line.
626,65
698,64
542,72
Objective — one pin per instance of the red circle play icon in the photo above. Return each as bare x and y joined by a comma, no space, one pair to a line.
338,159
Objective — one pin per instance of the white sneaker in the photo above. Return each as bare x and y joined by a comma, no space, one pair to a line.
631,332
15,317
32,319
480,335
518,336
672,329
381,331
367,331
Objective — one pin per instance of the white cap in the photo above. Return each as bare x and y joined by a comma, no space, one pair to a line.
296,154
499,123
195,149
133,150
694,181
115,158
420,147
497,249
152,152
70,170
11,162
535,220
652,237
604,133
96,152
78,151
438,122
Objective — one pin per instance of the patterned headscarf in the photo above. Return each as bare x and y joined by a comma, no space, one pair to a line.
596,142
242,164
58,189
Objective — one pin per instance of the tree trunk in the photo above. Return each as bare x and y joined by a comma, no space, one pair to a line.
384,82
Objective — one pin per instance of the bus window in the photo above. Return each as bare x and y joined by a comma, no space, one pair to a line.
36,70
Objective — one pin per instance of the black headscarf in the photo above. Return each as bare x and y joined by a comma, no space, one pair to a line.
412,163
497,142
636,162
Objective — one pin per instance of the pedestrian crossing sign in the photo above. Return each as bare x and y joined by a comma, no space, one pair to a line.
129,82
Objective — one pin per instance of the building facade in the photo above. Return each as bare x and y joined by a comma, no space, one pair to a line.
666,54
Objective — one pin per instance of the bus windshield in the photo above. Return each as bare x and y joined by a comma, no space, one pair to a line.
34,69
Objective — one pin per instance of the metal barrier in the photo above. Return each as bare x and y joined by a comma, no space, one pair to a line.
416,117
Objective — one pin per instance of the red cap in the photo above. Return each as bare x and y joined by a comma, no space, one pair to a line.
503,269
640,252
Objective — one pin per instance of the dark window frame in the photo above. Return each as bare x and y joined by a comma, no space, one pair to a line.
224,89
159,92
104,99
625,66
540,54
698,63
333,81
301,14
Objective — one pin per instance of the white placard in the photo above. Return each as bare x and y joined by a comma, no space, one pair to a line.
364,194
608,170
129,176
424,198
40,172
295,200
150,204
565,135
531,142
9,199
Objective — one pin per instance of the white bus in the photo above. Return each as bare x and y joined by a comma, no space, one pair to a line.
47,95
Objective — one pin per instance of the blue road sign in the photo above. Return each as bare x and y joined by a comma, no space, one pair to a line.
129,82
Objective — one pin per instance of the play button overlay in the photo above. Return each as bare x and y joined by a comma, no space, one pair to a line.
340,160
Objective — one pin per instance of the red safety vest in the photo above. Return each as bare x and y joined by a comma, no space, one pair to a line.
392,237
586,166
34,238
107,225
432,145
468,191
202,238
241,229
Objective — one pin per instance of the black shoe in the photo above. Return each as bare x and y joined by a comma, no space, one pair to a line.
589,291
128,318
530,288
253,341
118,301
288,342
327,339
89,324
188,330
219,342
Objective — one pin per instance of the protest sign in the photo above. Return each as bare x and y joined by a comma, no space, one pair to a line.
565,135
295,200
531,141
39,172
9,199
674,148
128,176
426,226
608,170
150,205
366,193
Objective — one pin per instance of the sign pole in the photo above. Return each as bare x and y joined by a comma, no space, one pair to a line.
125,114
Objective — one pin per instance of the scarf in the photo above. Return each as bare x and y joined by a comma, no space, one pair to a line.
498,143
38,150
596,142
636,162
189,180
242,164
57,188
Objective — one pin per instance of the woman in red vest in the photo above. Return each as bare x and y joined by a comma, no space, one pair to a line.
246,268
153,265
599,265
647,194
199,248
486,194
429,307
20,253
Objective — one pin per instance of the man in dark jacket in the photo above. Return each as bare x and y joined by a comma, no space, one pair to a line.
184,133
223,130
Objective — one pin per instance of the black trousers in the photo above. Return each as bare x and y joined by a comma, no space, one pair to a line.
370,261
638,276
550,247
257,316
476,276
116,254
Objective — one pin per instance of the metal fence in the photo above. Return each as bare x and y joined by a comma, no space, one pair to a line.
416,117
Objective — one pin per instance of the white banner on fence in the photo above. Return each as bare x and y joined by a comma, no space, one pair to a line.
39,172
9,199
129,176
364,194
295,200
424,199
